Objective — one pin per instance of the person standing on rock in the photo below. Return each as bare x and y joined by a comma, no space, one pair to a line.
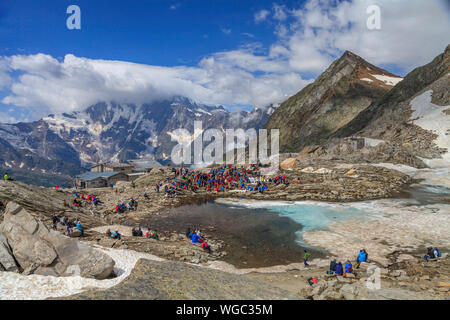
305,259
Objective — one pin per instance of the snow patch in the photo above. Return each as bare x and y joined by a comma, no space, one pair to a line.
14,286
431,117
390,81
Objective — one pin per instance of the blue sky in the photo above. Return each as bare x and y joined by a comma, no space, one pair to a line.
232,52
158,32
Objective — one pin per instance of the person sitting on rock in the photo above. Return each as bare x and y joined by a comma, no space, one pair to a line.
366,255
339,269
332,266
348,267
154,235
77,202
80,227
205,247
437,253
430,253
116,235
69,228
139,232
195,238
362,257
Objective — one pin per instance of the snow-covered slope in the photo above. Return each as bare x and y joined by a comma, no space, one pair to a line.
118,132
436,119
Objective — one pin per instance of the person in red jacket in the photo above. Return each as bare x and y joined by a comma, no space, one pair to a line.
205,247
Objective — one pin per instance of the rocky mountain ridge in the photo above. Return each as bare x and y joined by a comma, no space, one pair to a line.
320,109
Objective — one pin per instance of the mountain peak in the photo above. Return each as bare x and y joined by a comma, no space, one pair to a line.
354,59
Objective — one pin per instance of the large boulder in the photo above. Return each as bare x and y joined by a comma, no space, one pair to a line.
7,262
289,163
42,251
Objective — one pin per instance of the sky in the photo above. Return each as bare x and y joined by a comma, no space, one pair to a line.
236,53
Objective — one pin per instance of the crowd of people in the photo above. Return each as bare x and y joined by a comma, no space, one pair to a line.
220,179
89,198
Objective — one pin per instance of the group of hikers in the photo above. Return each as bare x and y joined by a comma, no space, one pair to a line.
70,225
196,236
89,198
121,207
151,234
432,253
220,179
340,269
113,235
135,232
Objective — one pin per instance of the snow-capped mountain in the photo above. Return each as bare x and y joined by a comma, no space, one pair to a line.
118,132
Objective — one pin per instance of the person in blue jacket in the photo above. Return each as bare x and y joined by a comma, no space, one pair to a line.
80,227
348,267
362,257
194,238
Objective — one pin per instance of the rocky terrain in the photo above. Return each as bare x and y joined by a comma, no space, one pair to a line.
404,122
29,247
153,280
173,279
411,279
396,119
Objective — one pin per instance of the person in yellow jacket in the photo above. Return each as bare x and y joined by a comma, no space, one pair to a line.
6,176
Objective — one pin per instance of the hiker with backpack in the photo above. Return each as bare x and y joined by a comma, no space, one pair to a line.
306,257
7,178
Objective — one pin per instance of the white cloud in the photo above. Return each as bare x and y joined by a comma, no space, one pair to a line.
261,15
279,12
5,79
174,6
412,33
75,83
309,39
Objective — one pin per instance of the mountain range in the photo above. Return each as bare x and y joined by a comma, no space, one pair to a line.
352,97
110,132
